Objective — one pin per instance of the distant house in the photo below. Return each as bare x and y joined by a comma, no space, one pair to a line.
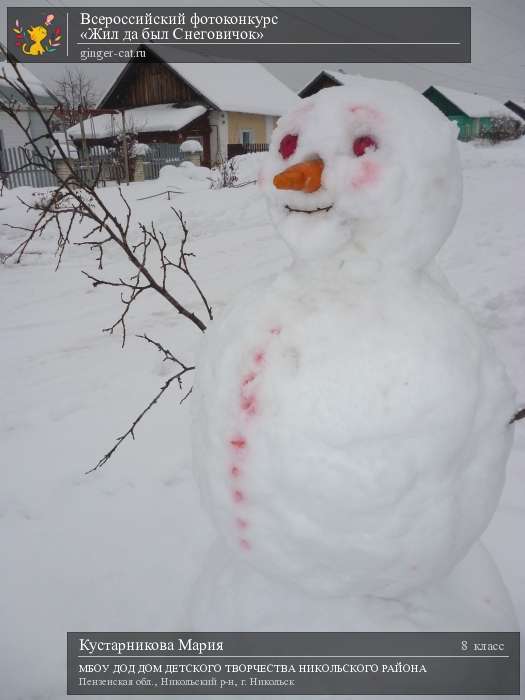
473,113
227,107
326,78
517,107
11,134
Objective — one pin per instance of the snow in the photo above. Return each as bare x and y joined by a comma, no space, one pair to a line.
122,549
163,117
191,146
36,86
186,176
475,105
248,166
238,87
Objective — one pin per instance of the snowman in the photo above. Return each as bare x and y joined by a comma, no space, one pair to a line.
352,424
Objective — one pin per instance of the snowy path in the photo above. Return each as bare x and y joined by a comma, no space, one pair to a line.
119,549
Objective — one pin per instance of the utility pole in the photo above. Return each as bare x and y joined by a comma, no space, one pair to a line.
125,146
83,133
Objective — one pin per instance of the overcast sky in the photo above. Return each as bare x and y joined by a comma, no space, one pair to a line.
498,48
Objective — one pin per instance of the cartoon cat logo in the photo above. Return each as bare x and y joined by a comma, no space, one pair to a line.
32,41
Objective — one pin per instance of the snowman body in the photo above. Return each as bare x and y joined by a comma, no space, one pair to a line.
351,422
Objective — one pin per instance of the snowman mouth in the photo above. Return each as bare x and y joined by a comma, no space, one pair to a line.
309,211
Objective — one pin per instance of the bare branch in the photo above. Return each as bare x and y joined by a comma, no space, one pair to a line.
130,432
76,200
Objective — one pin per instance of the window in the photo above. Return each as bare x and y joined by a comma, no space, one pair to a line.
246,136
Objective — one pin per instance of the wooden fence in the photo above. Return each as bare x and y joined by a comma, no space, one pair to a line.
239,149
159,155
20,166
25,168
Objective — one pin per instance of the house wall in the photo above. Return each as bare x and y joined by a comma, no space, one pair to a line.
149,84
471,127
11,134
271,123
256,123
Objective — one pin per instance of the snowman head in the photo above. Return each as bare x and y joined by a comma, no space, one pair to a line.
373,166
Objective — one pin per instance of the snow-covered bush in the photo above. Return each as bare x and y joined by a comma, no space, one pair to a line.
503,128
225,174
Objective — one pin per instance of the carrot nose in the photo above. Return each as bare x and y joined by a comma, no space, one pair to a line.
305,176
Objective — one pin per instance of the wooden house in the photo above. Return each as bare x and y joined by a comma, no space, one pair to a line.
11,135
472,113
222,105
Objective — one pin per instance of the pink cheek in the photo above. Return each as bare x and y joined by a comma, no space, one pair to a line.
365,111
368,175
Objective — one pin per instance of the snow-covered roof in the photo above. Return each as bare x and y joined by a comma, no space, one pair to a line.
164,117
37,87
238,87
338,75
474,105
230,87
67,145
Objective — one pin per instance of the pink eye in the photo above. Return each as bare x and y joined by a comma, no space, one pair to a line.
288,145
362,144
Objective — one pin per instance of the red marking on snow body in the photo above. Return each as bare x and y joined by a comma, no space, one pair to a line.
487,600
368,174
244,544
276,330
241,523
235,471
259,357
238,442
238,496
248,378
249,404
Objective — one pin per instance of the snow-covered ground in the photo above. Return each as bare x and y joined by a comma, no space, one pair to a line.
120,548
